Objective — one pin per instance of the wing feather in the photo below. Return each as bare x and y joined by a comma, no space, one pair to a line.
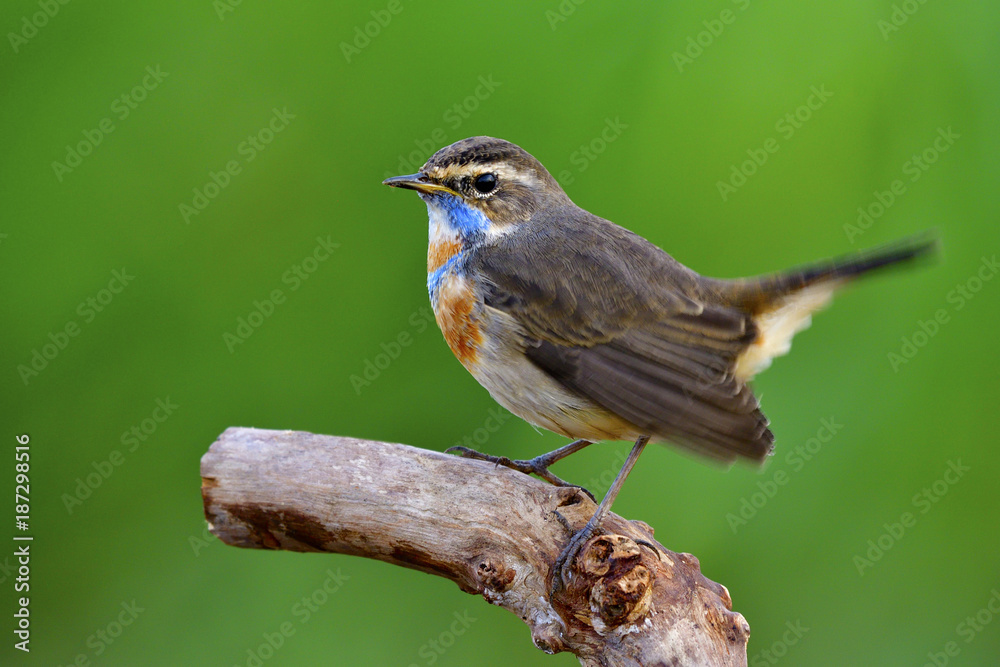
640,338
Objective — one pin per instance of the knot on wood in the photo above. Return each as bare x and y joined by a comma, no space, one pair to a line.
493,575
620,586
548,637
725,624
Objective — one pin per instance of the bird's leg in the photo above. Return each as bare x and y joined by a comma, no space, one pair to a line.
561,569
538,465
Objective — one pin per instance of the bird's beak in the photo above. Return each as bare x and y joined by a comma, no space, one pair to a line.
417,182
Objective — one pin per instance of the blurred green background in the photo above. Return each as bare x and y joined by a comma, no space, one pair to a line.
689,90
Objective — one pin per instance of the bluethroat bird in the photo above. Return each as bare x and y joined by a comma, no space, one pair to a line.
584,328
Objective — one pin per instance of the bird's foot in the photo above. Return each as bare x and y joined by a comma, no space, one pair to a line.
536,466
562,569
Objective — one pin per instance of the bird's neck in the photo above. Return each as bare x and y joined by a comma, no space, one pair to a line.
454,228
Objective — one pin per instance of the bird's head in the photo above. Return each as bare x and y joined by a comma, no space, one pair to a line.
482,186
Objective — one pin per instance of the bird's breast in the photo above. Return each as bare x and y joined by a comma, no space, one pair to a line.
490,344
455,303
440,252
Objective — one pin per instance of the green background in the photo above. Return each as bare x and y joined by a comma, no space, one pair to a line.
140,535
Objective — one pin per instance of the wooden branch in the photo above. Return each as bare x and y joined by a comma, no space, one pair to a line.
493,531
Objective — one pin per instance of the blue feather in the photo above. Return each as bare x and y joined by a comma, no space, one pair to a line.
434,278
469,223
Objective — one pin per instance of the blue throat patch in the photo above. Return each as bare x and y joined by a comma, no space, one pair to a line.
469,223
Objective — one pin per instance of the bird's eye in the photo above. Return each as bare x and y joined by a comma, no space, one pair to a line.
485,183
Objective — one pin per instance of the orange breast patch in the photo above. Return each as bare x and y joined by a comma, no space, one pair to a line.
440,252
454,315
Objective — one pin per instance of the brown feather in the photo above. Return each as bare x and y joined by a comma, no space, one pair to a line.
638,337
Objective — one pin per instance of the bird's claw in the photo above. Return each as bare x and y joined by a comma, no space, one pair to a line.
563,567
652,547
536,466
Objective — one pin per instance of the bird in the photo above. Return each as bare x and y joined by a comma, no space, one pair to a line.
582,327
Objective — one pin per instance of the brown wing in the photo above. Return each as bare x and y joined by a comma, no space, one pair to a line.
667,388
614,318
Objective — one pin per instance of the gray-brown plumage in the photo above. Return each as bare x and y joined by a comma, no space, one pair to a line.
615,318
610,317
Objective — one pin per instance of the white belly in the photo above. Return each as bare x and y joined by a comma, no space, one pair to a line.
528,392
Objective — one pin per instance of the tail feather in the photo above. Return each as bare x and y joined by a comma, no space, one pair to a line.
763,293
782,304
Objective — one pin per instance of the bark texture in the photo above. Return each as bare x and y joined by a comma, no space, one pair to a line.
493,531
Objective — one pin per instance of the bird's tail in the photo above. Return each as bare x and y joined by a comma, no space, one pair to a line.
782,304
763,293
